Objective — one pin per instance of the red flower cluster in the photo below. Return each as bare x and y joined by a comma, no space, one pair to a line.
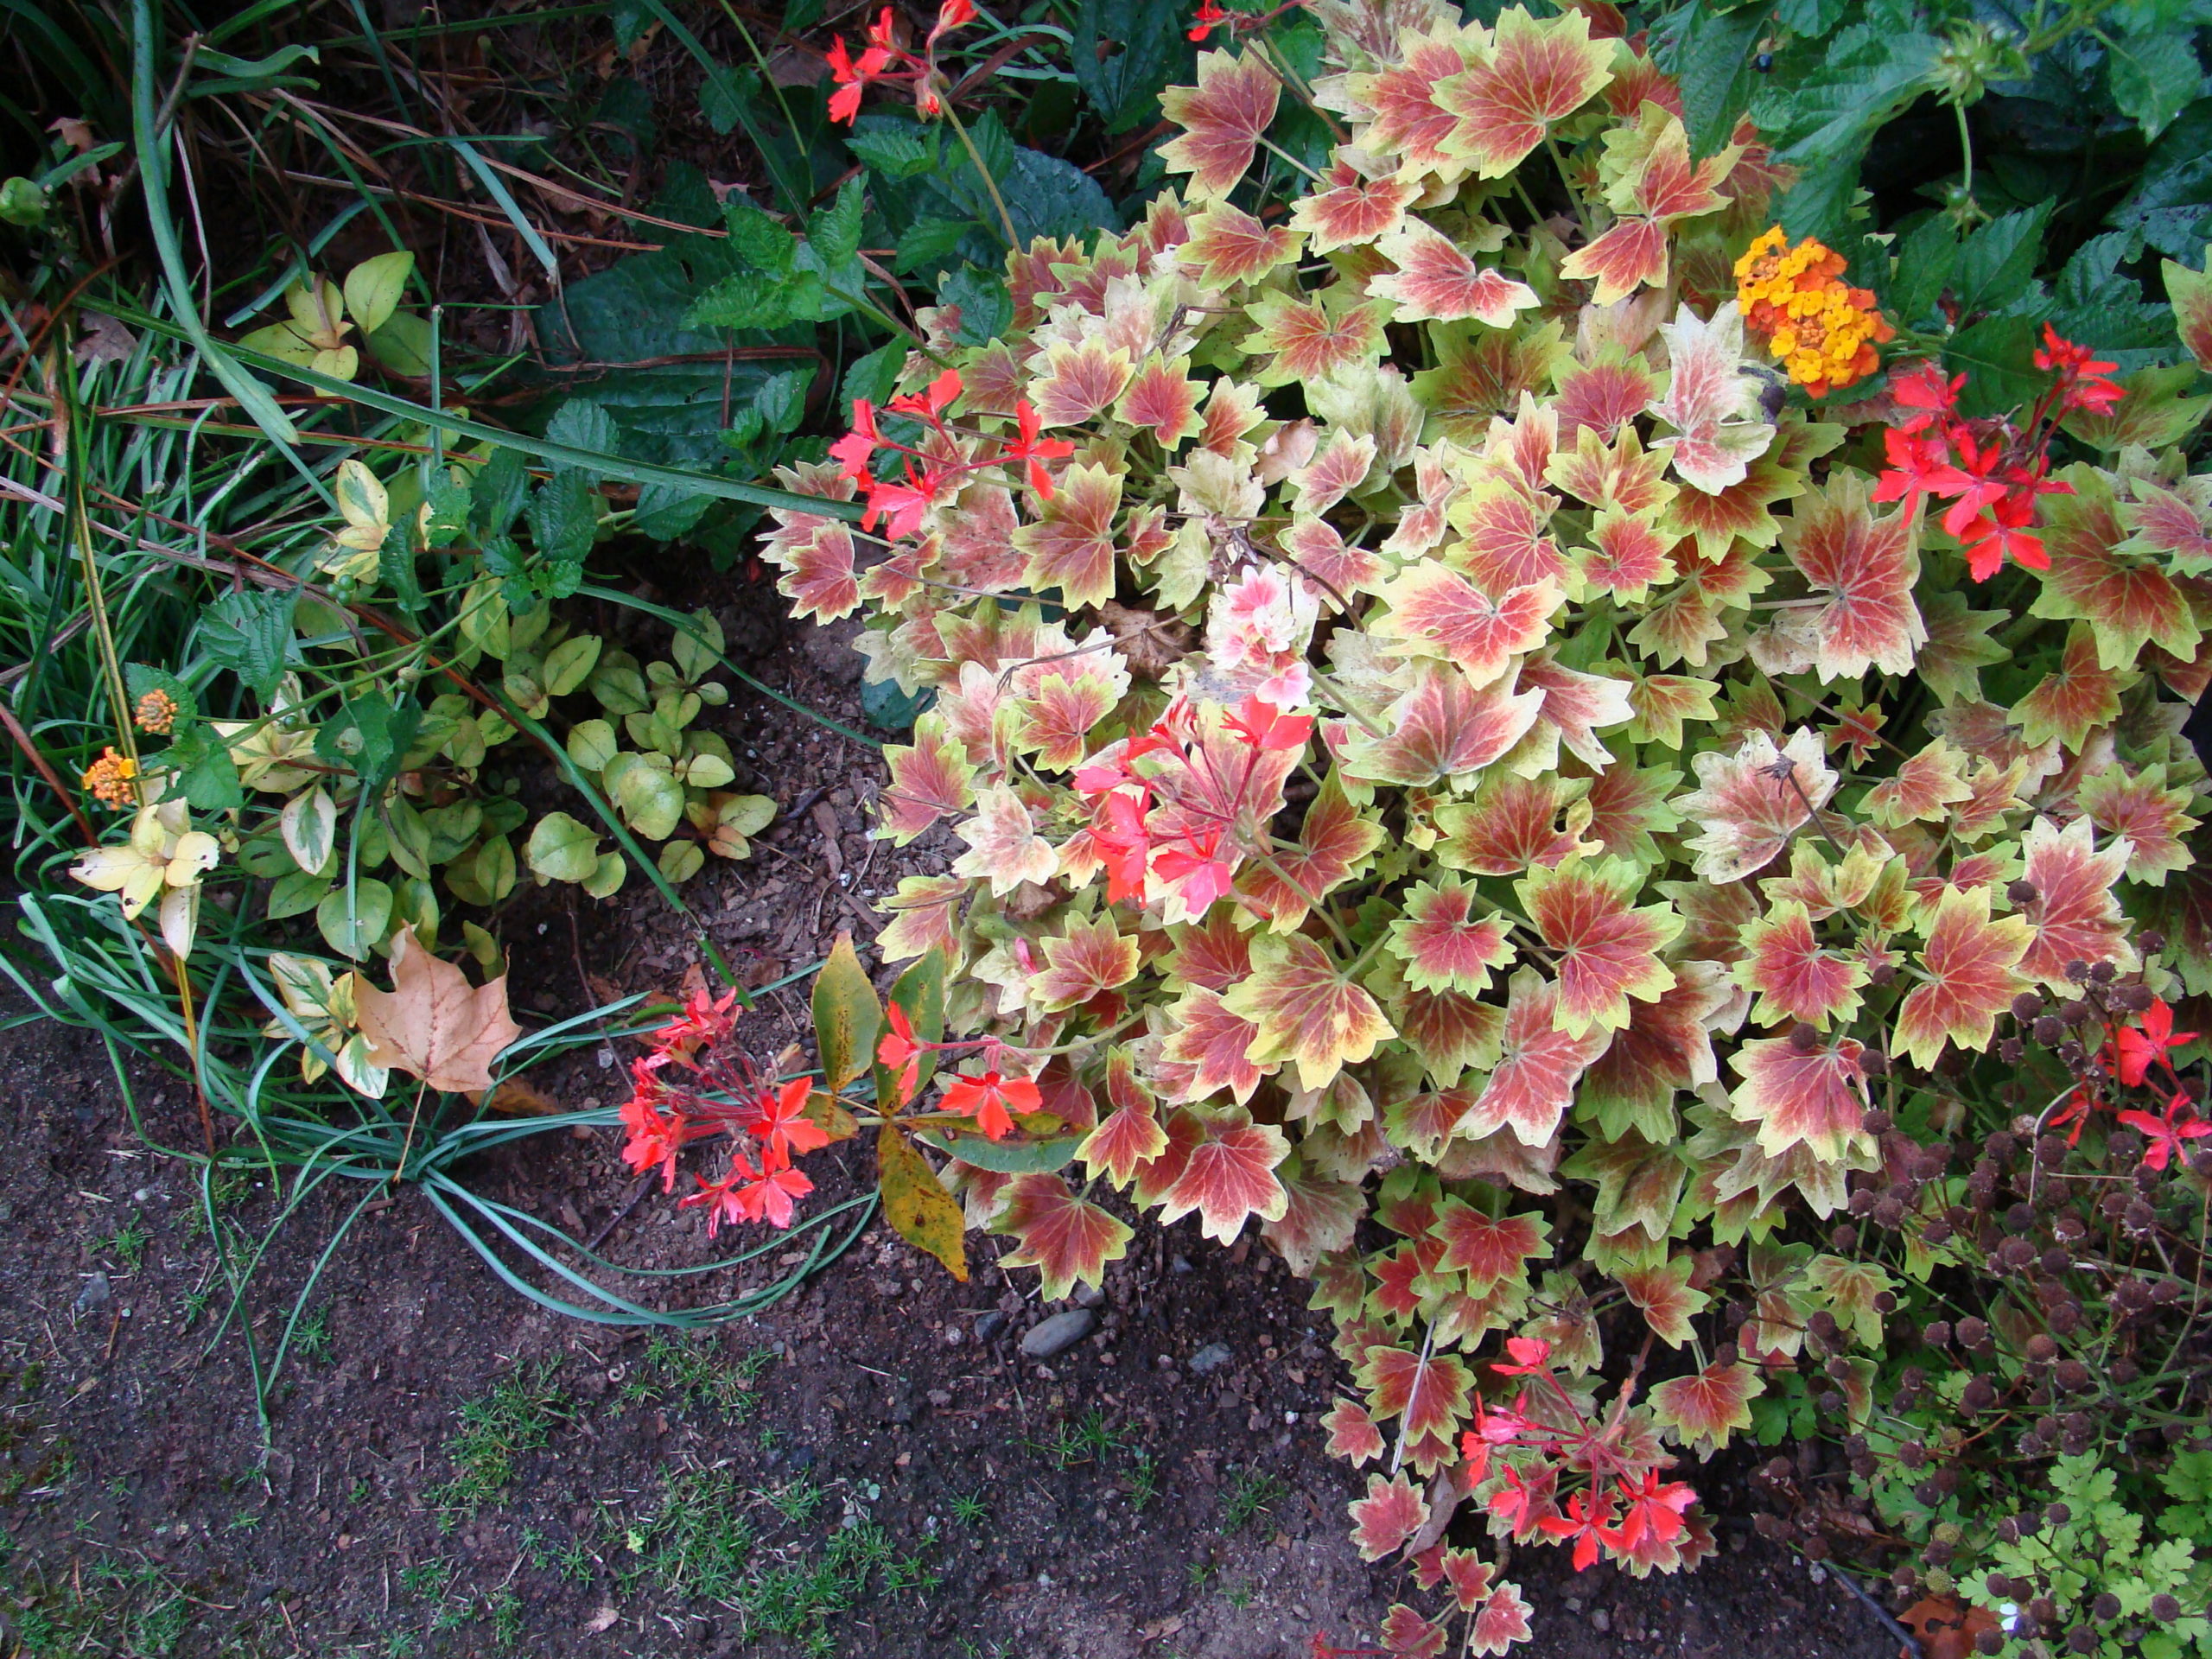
933,471
2136,1055
991,1099
1626,1511
686,1087
1180,821
884,60
1989,470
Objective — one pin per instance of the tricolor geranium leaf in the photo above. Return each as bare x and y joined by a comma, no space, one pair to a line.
1320,1215
1306,1009
1003,846
1352,1433
1862,567
1091,957
1228,1174
1748,805
1436,280
1664,1297
2127,601
2151,817
1445,941
1223,118
931,779
1971,964
1704,1409
2077,698
1429,1392
1484,1248
1794,977
1532,73
1207,1049
1068,1239
1812,1097
1711,403
1070,547
2075,913
1534,1083
1605,951
1391,1513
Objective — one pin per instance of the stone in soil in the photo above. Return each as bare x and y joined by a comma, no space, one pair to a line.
1058,1333
1210,1359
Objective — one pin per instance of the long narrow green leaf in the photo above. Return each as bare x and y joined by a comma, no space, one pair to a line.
491,182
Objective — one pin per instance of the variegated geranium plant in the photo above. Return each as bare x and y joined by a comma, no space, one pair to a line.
1471,764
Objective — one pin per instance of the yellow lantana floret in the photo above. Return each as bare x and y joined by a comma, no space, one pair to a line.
1820,329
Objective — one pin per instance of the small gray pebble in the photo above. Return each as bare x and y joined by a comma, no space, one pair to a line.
1180,1264
989,1325
1601,1621
1089,1295
1210,1359
94,1296
1061,1331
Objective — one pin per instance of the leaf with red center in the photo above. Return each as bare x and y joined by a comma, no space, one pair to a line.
1740,513
1481,373
1228,1176
1664,1296
1308,1012
1436,611
1533,74
1467,1573
1972,968
1618,472
1156,1176
1163,399
1063,708
1003,845
931,779
977,548
925,915
1352,1433
1628,810
1484,1248
1337,468
1448,1031
1629,256
1315,547
1575,705
1607,947
1079,381
2172,522
1091,957
1313,335
1214,953
1708,1408
2075,699
1444,946
1320,1216
1336,840
1068,1239
2128,602
1813,1098
1534,1083
1511,824
1442,726
2154,819
2074,915
1204,1050
1503,1622
1647,169
1712,405
1350,208
1228,245
818,572
1429,1392
1747,805
1408,1634
1503,521
1794,978
1923,789
1399,1278
1663,1051
1436,281
1405,122
1864,566
1391,1513
1626,557
1957,647
1223,118
1071,546
1129,1137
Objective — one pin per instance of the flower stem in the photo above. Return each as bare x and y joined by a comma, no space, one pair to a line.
991,184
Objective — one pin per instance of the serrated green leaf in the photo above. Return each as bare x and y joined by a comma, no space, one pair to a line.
1123,52
2155,75
1710,57
893,148
1996,263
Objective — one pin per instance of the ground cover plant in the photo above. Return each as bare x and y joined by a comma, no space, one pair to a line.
1560,683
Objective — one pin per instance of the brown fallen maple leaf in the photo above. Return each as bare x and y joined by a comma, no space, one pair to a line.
433,1024
1947,1628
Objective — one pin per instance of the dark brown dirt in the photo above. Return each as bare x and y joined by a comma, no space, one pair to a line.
1200,1518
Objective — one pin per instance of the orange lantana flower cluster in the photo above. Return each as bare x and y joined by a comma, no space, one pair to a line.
1821,329
112,780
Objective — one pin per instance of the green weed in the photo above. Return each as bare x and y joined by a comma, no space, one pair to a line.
796,1500
127,1245
1142,1482
1085,1440
518,1415
106,1606
687,1369
311,1336
1251,1491
969,1509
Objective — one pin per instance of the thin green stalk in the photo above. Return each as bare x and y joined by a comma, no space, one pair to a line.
975,158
